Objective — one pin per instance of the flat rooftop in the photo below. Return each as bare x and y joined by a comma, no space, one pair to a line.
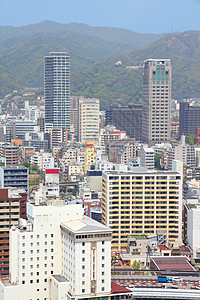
86,225
141,171
60,278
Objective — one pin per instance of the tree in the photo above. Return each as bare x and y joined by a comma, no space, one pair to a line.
136,265
26,164
189,139
157,159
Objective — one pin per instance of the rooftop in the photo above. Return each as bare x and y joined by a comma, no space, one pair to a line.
141,171
60,278
138,237
86,225
172,263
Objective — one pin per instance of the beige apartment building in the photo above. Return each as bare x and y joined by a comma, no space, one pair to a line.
142,202
88,120
156,103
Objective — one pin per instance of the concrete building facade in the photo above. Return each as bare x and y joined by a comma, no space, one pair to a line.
142,202
156,105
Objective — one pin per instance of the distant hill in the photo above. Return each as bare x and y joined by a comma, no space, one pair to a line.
109,34
117,82
94,53
22,49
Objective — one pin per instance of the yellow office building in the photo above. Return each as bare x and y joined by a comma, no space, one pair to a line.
142,202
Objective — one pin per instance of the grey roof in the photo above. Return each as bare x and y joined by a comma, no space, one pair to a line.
60,278
86,225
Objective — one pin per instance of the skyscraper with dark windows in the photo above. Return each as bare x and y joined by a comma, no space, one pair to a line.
57,89
156,106
189,118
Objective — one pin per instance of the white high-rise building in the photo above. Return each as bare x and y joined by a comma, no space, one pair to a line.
57,89
156,104
58,254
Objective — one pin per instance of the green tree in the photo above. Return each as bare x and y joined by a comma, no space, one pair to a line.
136,265
26,164
189,139
157,159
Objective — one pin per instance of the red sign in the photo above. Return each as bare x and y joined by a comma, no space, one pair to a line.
52,171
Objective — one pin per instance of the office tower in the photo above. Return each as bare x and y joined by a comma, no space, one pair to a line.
127,118
142,202
12,207
11,154
88,120
14,176
58,254
189,119
57,89
156,103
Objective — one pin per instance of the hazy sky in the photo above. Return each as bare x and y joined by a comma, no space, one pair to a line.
156,16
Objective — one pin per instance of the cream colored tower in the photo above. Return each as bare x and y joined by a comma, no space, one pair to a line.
88,120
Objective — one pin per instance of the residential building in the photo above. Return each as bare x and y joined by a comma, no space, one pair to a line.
12,207
89,154
44,160
126,118
116,146
57,89
156,103
142,202
147,158
74,115
88,120
68,256
189,118
11,154
14,176
183,152
194,232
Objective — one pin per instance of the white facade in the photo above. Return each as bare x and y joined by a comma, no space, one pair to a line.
147,158
84,240
44,160
194,231
45,260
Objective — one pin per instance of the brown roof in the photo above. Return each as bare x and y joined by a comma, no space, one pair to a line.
163,247
172,263
118,289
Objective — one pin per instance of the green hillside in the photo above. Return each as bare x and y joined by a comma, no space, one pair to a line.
94,72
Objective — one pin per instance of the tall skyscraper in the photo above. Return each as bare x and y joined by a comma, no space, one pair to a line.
57,89
156,101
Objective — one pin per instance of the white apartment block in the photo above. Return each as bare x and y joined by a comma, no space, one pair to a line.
147,158
194,232
44,160
60,254
142,202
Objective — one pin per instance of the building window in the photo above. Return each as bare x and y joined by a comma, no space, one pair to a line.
23,281
83,290
83,267
83,259
31,281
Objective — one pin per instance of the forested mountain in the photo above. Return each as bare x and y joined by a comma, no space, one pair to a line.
94,53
